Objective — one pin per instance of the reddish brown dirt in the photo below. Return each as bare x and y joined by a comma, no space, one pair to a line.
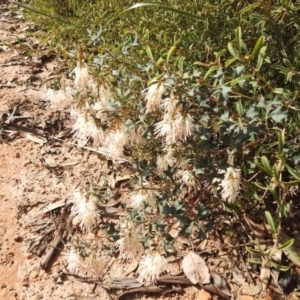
11,256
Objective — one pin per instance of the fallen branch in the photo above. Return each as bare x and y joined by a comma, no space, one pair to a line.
185,281
61,234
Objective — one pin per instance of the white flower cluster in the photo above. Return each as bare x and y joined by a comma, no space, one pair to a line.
129,245
230,185
81,76
90,264
84,210
151,266
187,178
137,198
59,100
154,96
176,125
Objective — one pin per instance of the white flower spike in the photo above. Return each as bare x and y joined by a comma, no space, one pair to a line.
151,266
231,185
81,76
86,128
59,100
84,209
154,96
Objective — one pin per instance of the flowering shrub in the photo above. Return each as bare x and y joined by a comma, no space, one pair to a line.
200,120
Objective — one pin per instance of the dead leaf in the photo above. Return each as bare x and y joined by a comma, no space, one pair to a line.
220,283
203,295
34,138
259,230
52,206
251,290
195,269
265,273
238,277
131,266
50,162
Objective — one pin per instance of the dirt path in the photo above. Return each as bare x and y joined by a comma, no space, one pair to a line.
15,73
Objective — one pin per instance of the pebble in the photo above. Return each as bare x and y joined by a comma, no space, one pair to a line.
27,162
28,255
3,286
42,273
34,275
17,238
78,290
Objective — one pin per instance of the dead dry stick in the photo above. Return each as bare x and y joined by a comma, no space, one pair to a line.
183,280
146,290
61,234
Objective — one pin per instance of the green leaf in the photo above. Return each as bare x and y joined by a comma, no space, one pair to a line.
238,38
180,63
170,52
293,256
281,140
261,57
278,114
282,158
274,193
276,172
211,69
230,61
237,80
248,8
293,172
257,47
259,185
254,251
220,53
159,61
266,164
231,50
271,221
149,53
224,92
280,267
188,230
239,108
286,245
254,261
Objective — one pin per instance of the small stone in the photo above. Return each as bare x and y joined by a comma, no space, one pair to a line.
3,286
28,255
25,281
34,274
18,155
17,238
78,290
27,162
42,273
